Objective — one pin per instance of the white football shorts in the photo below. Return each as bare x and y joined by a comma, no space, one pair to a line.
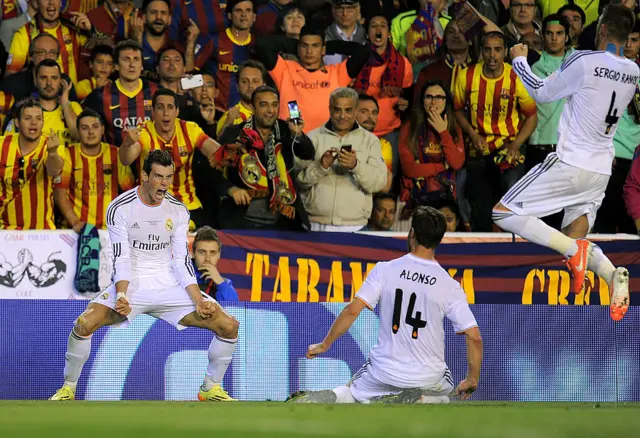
553,186
364,387
170,303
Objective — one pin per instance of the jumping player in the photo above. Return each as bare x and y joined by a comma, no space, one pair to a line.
415,294
598,86
153,275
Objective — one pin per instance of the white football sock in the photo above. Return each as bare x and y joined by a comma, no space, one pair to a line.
601,265
536,231
343,395
220,355
78,351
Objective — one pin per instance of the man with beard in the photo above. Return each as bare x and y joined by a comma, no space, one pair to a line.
126,102
367,117
53,95
383,214
170,70
151,31
251,75
492,130
31,164
230,49
92,176
181,139
48,21
261,192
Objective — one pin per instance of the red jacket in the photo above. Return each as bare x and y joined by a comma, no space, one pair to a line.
632,187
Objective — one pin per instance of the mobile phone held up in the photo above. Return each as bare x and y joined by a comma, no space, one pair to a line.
346,147
294,111
190,82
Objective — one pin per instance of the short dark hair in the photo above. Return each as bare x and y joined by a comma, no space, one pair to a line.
158,156
263,89
493,34
382,196
125,45
101,49
88,113
164,92
575,8
429,226
232,4
42,35
48,63
312,29
619,21
362,97
206,234
286,10
252,63
560,19
145,4
26,103
165,50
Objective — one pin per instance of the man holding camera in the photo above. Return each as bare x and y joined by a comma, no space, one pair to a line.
259,156
337,186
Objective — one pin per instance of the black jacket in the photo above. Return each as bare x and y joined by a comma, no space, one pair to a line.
232,215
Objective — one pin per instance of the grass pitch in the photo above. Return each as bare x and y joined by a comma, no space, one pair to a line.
41,419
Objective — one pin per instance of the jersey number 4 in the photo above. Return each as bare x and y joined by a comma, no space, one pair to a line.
612,116
415,322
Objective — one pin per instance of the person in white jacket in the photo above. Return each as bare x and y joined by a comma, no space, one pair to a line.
337,187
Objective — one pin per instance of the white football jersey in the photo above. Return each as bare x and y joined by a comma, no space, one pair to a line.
598,87
415,296
150,246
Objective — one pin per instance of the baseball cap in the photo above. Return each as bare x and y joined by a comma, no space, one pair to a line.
345,2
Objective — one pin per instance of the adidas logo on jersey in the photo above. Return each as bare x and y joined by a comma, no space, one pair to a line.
135,225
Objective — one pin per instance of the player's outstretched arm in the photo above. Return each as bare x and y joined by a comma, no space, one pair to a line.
340,326
562,83
474,363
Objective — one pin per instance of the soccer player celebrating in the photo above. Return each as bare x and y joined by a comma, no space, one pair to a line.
92,176
125,103
31,162
153,275
181,139
575,177
407,363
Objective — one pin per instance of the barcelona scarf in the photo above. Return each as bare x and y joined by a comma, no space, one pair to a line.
391,82
423,39
121,20
274,180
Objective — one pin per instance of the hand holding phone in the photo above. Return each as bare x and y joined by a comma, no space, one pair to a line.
190,82
294,111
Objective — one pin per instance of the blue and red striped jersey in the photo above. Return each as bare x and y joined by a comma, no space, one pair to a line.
209,15
228,54
122,110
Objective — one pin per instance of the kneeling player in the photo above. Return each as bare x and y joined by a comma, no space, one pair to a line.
415,295
153,275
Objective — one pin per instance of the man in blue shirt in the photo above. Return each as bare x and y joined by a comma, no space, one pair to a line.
206,254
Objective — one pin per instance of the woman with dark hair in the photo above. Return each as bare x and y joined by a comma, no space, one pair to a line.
431,149
290,21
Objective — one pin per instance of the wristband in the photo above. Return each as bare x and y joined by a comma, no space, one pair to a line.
122,295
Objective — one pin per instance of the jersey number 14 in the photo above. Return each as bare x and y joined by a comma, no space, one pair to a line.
415,322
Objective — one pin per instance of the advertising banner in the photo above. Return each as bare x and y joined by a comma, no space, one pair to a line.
531,353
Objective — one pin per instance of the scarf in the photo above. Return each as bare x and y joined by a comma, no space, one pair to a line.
273,180
391,82
120,19
424,36
429,151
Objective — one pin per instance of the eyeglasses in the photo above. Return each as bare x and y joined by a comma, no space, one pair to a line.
438,98
523,5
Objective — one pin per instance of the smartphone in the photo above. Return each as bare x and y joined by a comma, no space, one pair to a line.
188,83
346,147
294,111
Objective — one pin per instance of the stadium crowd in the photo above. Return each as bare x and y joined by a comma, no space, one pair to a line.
316,115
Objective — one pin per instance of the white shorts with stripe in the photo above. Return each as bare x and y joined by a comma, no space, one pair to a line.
170,304
553,186
364,386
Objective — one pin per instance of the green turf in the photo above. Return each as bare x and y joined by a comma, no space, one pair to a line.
23,419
